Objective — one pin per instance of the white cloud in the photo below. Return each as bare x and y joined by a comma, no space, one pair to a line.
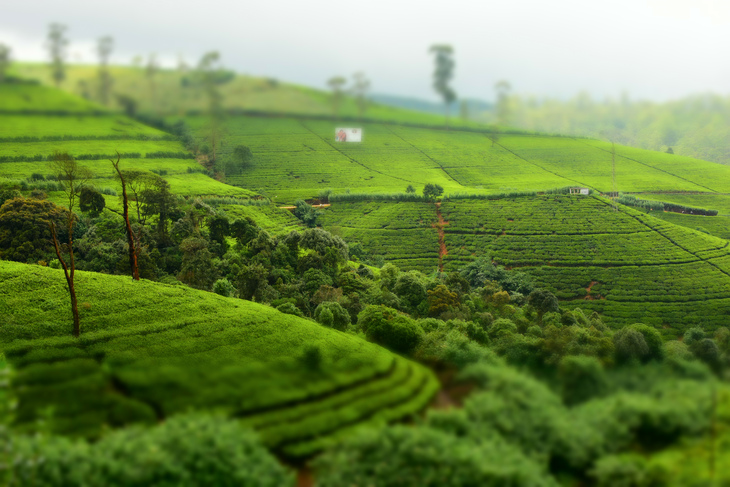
656,49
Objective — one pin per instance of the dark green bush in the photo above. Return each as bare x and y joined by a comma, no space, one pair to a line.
340,318
190,450
628,470
630,346
290,309
582,378
406,456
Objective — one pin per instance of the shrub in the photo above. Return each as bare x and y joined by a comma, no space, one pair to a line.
501,328
325,317
312,357
290,309
653,340
224,288
425,457
339,318
628,470
389,328
187,451
694,334
630,346
432,191
582,378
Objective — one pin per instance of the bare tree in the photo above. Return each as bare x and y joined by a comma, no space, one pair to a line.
4,61
132,240
57,43
73,178
104,49
337,84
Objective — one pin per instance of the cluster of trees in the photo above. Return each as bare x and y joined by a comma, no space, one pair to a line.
359,90
696,125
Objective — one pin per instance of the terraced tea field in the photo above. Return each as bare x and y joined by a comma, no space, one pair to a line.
297,158
150,350
625,264
36,121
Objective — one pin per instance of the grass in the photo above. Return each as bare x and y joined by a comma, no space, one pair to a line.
625,264
149,350
402,233
42,99
94,135
297,158
174,93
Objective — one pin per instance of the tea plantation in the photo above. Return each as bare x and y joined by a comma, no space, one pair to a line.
297,158
623,263
149,350
93,135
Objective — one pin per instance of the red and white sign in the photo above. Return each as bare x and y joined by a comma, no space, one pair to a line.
348,135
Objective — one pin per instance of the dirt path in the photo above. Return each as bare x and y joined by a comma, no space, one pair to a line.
590,297
305,478
439,226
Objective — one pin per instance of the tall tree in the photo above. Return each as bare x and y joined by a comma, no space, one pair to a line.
73,178
150,72
104,50
503,106
57,43
132,241
360,87
442,74
4,61
337,84
208,75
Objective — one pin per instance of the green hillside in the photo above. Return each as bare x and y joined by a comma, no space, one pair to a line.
174,92
627,265
149,350
298,158
36,121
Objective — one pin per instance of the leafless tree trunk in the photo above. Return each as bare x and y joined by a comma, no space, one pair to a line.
131,239
68,270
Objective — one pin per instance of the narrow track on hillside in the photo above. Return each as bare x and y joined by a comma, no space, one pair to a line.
353,160
439,226
428,157
647,165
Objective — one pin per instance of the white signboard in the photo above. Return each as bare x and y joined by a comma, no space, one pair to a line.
584,191
348,135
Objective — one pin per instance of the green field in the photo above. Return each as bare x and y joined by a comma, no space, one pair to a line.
149,350
174,93
625,264
298,158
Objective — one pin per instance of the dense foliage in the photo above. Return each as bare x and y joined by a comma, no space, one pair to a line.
190,450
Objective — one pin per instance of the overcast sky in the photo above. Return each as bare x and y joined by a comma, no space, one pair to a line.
652,49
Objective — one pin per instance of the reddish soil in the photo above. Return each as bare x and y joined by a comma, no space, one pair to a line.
452,392
305,478
588,291
439,226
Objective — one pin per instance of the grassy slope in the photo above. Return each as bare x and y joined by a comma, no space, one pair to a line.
297,158
175,94
149,350
91,127
638,268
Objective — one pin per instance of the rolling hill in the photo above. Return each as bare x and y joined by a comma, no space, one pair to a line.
298,158
623,263
150,350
